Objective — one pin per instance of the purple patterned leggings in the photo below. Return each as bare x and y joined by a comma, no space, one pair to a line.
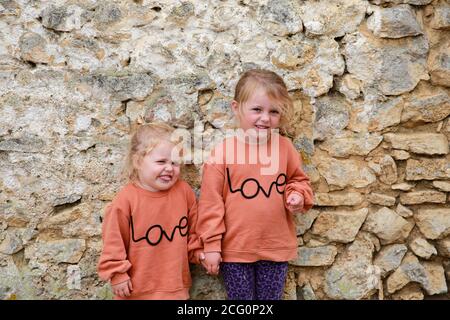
261,280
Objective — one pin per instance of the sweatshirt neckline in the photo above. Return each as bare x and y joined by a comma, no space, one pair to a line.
153,194
266,143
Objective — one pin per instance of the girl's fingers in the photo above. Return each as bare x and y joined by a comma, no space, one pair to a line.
130,286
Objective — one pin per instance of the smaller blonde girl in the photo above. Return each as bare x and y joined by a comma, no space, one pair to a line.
148,231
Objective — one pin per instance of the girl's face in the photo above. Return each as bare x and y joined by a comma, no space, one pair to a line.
160,168
258,113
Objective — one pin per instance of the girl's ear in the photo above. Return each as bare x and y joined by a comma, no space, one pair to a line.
136,161
235,108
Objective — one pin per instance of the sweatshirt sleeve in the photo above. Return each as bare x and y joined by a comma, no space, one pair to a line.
194,244
211,210
297,180
113,264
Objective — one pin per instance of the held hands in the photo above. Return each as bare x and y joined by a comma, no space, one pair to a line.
210,261
295,202
123,289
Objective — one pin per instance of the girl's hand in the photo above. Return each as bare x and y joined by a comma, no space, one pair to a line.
211,262
295,202
200,255
123,289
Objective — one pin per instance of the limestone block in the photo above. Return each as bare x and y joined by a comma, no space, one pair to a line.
422,248
390,257
388,226
346,144
392,66
394,22
421,143
381,199
333,19
433,223
342,173
338,199
315,257
423,196
339,226
427,169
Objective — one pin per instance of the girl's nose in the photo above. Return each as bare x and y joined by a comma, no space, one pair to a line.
265,117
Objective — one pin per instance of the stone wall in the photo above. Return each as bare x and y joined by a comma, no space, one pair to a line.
371,83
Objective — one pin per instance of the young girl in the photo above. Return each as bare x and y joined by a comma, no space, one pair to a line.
245,217
148,228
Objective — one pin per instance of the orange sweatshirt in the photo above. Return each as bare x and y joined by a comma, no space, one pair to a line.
149,237
242,209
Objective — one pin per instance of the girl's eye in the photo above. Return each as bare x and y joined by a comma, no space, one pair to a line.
275,112
160,161
256,109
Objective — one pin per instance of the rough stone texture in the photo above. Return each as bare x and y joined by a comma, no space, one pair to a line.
442,185
349,86
68,250
381,199
385,168
439,65
331,116
436,283
339,226
443,247
308,292
388,226
409,271
349,277
425,196
332,19
338,198
33,48
375,114
315,257
64,18
426,104
400,155
76,77
402,186
433,223
280,18
307,63
393,66
389,258
411,291
305,221
394,22
427,169
421,143
344,145
422,248
403,211
342,173
440,15
414,2
12,242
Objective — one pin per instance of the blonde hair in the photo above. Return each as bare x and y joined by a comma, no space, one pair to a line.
144,139
274,87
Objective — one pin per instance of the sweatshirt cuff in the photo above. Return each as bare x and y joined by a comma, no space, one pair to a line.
213,246
119,278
